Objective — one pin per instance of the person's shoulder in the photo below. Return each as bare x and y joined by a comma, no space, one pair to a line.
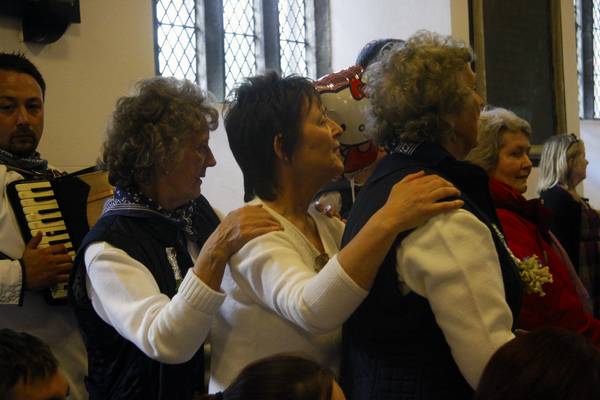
7,175
555,193
559,201
453,224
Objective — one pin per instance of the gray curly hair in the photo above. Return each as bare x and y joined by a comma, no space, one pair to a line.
492,126
413,86
148,128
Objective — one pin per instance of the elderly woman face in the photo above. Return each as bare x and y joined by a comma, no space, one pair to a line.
514,166
465,123
181,181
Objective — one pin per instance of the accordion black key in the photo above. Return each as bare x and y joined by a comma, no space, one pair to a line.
63,209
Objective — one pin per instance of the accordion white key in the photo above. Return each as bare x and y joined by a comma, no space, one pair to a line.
63,209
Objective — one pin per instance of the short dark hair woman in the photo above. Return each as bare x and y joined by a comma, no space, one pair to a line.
147,276
444,298
290,291
282,377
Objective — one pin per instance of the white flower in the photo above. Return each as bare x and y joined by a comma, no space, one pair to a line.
534,275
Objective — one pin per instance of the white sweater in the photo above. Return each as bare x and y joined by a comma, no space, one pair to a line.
278,303
125,295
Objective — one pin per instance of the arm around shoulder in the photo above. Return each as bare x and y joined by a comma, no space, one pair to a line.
271,270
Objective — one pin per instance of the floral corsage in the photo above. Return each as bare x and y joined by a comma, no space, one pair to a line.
533,274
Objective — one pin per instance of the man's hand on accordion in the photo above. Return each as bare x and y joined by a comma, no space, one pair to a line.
45,267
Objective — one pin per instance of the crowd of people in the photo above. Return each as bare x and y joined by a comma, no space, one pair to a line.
441,281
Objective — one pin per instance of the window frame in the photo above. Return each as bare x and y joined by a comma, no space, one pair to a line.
587,59
210,52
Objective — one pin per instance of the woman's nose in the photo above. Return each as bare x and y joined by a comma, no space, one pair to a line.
336,129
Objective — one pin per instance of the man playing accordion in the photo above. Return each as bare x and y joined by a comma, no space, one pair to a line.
26,268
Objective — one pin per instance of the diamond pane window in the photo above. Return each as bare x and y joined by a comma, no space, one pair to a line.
218,43
239,41
176,38
292,37
579,44
596,47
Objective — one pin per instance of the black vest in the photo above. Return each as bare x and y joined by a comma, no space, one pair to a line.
392,345
117,369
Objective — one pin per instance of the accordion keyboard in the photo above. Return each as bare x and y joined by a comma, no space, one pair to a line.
43,214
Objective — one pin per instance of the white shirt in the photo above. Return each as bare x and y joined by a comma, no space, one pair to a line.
278,303
126,296
452,261
55,325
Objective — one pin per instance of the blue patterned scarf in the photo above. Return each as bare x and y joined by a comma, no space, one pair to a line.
183,216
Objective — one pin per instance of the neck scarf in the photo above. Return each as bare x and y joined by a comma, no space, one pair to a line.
508,198
33,163
183,216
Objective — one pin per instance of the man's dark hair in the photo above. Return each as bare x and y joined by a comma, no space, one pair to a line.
264,107
23,357
19,63
372,50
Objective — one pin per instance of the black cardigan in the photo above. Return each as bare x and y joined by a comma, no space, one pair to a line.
566,222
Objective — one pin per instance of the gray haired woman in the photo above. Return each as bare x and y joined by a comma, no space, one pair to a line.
444,299
147,277
575,223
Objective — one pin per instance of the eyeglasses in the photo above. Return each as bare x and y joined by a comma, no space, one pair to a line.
573,138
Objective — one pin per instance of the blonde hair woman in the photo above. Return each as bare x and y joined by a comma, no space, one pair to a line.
575,223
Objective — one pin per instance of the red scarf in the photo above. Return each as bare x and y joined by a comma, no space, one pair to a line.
504,196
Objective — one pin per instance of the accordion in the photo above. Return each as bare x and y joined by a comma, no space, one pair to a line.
62,208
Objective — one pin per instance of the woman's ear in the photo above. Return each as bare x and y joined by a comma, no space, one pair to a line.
278,148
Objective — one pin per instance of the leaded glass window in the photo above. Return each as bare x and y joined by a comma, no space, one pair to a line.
176,38
292,37
587,20
577,6
596,52
239,41
217,43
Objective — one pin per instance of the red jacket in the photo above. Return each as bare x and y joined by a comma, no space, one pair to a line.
525,226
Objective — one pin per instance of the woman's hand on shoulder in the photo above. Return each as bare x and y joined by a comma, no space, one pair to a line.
242,225
416,198
234,231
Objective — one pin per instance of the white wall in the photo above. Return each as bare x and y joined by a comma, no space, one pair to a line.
86,70
224,185
356,22
590,133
